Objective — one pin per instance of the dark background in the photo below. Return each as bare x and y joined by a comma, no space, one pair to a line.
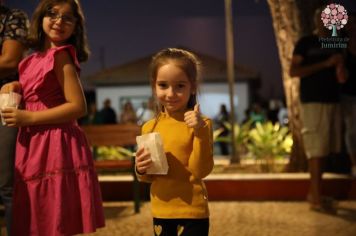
125,30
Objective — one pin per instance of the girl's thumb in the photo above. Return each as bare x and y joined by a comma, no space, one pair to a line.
197,108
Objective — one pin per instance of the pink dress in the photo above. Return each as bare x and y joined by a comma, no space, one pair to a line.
56,187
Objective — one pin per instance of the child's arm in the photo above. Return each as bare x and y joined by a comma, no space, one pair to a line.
73,108
143,159
142,163
201,160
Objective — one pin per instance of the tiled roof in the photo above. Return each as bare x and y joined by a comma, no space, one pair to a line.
136,72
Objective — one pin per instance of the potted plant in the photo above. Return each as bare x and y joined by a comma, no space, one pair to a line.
241,136
268,142
113,157
113,153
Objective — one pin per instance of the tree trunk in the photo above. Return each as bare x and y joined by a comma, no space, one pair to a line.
230,75
291,20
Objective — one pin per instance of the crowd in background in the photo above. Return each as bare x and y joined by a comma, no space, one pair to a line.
128,114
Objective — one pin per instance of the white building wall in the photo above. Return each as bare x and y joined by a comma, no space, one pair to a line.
210,99
213,95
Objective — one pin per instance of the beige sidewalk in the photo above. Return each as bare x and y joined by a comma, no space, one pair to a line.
242,219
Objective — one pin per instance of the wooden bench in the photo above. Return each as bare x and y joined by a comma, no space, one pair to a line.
115,135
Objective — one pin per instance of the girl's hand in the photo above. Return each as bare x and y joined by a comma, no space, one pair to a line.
143,160
14,117
14,86
193,118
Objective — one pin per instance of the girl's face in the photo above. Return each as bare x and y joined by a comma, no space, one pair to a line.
172,88
58,25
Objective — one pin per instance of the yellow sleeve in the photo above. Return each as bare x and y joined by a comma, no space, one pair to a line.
201,160
146,128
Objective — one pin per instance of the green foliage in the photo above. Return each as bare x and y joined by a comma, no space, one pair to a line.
241,134
113,153
265,142
269,140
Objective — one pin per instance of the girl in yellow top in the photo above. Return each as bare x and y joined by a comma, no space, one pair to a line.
179,199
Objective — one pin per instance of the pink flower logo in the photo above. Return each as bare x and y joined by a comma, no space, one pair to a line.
334,17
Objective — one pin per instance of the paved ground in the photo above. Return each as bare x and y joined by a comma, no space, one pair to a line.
243,219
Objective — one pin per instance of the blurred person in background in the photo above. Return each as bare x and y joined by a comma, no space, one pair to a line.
14,25
348,95
320,109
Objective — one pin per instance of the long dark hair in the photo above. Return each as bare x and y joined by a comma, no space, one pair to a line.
78,38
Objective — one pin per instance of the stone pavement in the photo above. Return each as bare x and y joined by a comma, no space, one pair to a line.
242,219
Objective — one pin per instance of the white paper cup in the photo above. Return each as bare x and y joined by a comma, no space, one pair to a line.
11,105
9,100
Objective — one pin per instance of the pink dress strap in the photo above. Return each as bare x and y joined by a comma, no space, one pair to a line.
45,65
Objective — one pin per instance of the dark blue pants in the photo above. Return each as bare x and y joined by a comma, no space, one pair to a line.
181,227
7,157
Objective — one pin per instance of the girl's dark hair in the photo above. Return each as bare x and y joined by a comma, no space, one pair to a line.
183,59
78,38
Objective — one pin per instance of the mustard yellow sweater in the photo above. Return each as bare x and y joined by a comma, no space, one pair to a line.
181,193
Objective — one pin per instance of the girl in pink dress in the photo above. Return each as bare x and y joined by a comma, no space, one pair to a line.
56,187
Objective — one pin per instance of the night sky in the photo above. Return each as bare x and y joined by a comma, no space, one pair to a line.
125,30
